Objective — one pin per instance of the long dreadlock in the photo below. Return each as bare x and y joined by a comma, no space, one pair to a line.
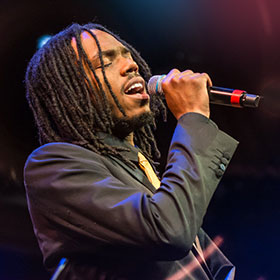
60,94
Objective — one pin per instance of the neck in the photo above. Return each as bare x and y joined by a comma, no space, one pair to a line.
129,138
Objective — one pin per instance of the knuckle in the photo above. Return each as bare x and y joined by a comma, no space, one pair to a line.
197,81
187,72
174,80
205,75
175,70
194,80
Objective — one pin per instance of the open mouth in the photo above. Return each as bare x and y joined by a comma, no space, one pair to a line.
135,88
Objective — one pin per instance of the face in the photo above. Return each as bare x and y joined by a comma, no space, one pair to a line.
121,72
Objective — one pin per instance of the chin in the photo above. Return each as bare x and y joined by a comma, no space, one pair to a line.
139,112
125,125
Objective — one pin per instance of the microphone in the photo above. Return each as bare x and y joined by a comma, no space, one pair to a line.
217,95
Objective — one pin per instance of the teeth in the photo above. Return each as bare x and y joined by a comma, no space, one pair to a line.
134,86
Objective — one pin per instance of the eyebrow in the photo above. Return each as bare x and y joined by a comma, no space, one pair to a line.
111,53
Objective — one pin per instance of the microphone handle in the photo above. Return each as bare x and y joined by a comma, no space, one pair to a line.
217,95
232,97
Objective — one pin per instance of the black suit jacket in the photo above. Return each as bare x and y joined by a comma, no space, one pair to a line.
109,220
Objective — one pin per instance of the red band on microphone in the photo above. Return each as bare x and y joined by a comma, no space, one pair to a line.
236,97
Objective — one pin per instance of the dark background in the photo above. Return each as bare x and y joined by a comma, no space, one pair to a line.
235,42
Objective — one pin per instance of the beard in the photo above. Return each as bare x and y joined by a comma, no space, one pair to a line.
124,126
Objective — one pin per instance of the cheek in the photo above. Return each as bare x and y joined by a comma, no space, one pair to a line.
134,107
126,102
115,110
115,83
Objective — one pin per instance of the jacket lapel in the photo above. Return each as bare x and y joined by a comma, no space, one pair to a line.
135,173
130,153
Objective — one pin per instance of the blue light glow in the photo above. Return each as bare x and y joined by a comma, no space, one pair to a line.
43,40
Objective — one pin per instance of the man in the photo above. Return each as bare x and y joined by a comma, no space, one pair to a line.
91,197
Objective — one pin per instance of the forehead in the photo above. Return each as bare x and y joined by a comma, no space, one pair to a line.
106,42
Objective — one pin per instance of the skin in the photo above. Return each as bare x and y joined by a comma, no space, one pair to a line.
184,91
121,71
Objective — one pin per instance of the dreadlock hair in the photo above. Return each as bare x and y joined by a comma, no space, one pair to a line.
61,95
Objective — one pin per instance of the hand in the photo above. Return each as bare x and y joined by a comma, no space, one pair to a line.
187,92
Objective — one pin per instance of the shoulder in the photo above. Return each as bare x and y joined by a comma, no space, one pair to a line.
60,150
58,156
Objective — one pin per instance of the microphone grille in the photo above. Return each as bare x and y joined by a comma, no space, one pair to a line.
154,84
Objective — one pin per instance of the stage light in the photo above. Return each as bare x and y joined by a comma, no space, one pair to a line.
43,40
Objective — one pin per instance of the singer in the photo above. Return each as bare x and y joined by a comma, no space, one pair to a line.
92,190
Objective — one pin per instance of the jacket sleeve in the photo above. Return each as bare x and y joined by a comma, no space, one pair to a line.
78,203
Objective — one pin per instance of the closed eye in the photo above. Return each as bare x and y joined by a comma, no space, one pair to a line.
105,65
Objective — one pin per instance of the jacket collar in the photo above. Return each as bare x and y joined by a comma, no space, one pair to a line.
111,140
131,154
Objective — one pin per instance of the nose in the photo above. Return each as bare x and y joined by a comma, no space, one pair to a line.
128,66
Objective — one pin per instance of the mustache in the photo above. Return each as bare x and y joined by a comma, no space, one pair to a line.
133,75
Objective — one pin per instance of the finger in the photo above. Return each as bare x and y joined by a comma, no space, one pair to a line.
209,81
191,74
170,77
187,72
173,73
203,76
